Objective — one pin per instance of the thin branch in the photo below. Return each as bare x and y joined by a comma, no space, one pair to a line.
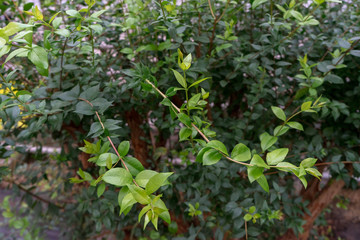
111,142
194,126
211,10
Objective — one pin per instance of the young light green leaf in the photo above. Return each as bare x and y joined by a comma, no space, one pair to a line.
263,183
267,141
308,162
156,182
123,148
39,57
139,194
211,157
254,172
314,172
143,211
187,61
198,82
118,177
63,32
287,167
247,217
104,157
258,161
194,100
280,130
306,106
276,156
215,144
241,153
256,3
296,125
180,78
109,162
144,176
127,202
279,113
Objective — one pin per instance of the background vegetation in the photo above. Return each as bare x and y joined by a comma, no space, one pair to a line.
80,62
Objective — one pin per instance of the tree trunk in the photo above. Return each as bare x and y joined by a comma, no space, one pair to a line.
324,198
140,147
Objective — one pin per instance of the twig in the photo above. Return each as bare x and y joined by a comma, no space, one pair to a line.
194,126
111,142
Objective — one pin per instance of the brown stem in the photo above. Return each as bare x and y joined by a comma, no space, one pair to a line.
111,142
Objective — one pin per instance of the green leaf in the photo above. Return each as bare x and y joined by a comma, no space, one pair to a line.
308,162
258,161
198,82
118,177
39,57
15,53
139,194
13,28
256,3
241,153
247,217
122,193
184,133
303,180
104,157
287,167
199,157
263,183
134,165
143,177
254,172
100,189
296,125
301,171
279,113
123,148
276,156
109,162
211,157
306,106
143,211
127,202
73,13
63,32
280,130
180,78
56,23
215,144
185,119
252,209
53,17
187,61
4,50
314,172
155,182
267,141
194,100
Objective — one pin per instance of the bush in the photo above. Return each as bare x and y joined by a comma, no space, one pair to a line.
112,84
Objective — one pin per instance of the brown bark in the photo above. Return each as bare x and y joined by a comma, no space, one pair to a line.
316,207
140,147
